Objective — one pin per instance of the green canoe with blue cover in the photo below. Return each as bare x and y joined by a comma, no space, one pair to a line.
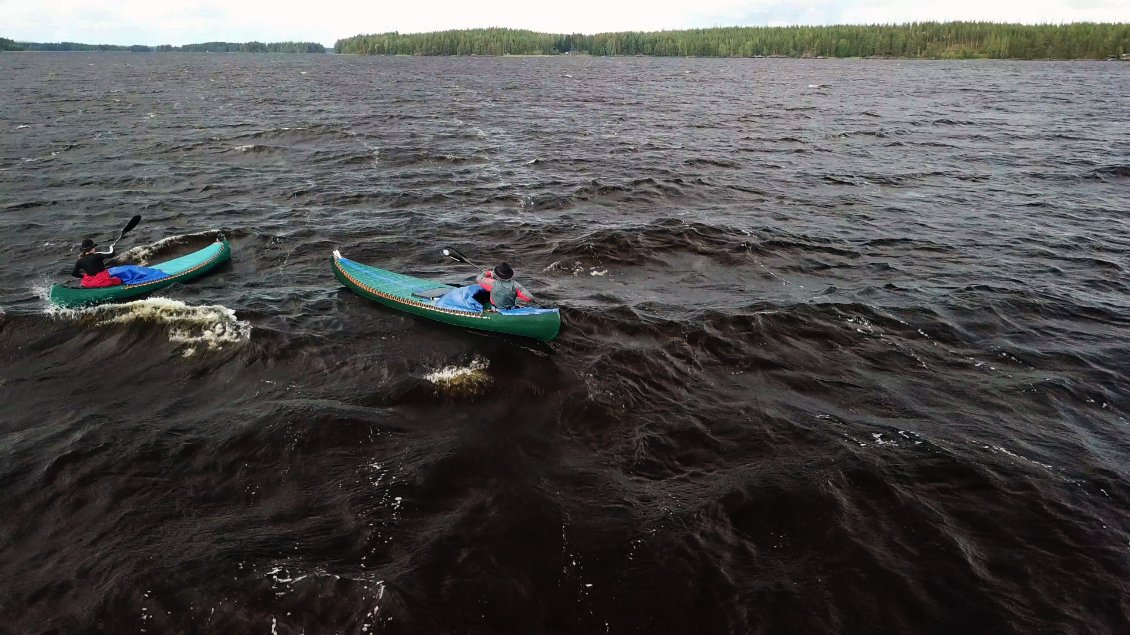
183,269
420,297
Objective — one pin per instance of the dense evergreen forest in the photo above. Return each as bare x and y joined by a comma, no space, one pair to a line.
76,46
915,40
247,47
209,47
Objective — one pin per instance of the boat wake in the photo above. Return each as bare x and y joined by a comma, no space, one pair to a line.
209,326
143,254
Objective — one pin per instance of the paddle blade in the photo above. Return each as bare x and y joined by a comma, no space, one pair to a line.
130,225
454,254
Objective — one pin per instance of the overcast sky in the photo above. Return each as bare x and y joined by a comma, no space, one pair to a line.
182,22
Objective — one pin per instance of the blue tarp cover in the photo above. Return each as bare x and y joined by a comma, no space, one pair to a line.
132,274
525,310
461,299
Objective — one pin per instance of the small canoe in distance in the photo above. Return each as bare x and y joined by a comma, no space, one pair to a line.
183,269
405,293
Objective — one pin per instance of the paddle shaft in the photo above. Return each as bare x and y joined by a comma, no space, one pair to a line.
125,230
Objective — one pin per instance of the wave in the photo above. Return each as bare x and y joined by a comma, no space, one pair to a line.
12,207
769,337
721,163
893,180
462,380
879,134
656,242
1112,267
402,157
933,144
1108,172
207,326
637,190
574,268
143,254
255,148
651,242
909,244
297,132
844,180
361,158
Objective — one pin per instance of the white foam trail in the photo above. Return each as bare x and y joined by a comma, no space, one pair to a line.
42,290
467,380
141,254
1006,452
212,326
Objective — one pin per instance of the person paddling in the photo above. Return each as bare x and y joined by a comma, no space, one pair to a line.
91,266
504,291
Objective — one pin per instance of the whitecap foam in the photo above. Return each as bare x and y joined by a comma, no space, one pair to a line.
470,379
141,254
210,326
996,448
42,290
576,268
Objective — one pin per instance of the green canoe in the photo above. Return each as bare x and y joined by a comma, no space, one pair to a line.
183,269
418,296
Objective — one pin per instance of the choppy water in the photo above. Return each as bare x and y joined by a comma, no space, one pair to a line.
845,347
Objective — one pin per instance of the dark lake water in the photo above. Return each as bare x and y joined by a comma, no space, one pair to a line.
845,347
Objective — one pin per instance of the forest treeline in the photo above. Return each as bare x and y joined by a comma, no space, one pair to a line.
206,47
247,47
1085,40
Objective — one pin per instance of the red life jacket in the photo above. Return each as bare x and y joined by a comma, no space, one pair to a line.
486,281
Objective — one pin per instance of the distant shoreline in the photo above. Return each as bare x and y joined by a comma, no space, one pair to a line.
331,52
917,40
753,57
203,47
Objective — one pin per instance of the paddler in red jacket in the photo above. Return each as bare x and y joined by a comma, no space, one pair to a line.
91,266
504,292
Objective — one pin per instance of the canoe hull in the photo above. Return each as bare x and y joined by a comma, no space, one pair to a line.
182,269
394,291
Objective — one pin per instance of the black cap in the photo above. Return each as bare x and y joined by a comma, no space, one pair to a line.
87,244
504,271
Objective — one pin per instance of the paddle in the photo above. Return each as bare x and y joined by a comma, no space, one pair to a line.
455,255
125,230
